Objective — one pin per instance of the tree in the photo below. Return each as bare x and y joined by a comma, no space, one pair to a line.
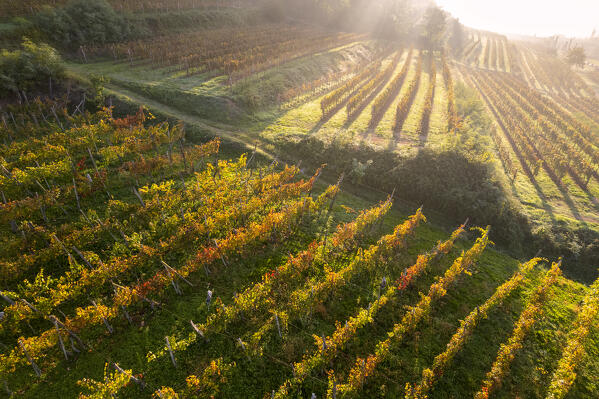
433,28
396,18
576,56
83,22
456,40
29,68
387,19
98,89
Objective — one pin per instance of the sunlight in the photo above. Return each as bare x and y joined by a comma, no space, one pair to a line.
297,199
575,18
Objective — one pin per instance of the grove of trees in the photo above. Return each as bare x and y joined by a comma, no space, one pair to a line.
28,68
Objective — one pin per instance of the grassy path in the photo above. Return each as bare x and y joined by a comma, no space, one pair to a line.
235,135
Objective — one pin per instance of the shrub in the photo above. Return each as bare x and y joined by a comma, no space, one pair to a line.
82,22
29,68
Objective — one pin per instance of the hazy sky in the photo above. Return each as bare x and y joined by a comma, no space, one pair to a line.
574,18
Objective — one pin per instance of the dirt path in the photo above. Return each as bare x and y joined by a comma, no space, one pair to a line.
251,142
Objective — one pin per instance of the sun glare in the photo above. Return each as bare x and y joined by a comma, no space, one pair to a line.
574,18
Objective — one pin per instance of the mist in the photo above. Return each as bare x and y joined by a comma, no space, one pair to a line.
576,18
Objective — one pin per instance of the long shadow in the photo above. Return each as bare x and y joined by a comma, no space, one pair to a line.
320,124
374,122
573,174
325,118
558,181
590,195
564,191
365,103
394,141
559,184
423,138
546,206
584,187
398,129
399,124
520,157
533,180
575,104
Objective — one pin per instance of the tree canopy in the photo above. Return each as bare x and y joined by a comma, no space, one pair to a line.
456,41
577,56
82,22
433,28
29,67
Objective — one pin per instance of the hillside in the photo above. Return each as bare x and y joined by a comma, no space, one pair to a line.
149,229
276,102
238,199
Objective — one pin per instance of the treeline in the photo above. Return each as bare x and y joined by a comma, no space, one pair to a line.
30,64
397,20
16,8
78,22
69,25
83,22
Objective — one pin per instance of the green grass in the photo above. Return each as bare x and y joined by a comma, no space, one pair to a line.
384,129
438,123
245,105
254,377
409,131
548,204
174,21
242,112
547,208
210,97
303,121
